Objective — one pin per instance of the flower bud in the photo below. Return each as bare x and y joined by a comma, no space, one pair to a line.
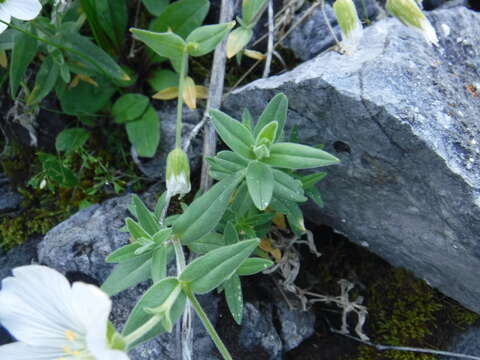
349,22
408,12
178,173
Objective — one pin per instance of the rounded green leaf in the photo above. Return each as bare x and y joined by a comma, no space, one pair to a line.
165,44
144,133
71,139
205,39
129,107
260,184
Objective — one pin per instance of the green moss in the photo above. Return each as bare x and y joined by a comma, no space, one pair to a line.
405,311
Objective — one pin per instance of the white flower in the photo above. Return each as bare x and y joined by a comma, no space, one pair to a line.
178,173
20,9
52,320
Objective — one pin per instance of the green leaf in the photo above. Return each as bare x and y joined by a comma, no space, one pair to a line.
312,179
161,202
113,17
136,230
127,274
233,133
165,44
253,266
203,214
252,9
230,234
205,39
85,99
234,297
207,243
147,219
314,194
144,134
247,119
124,253
7,39
276,110
57,172
268,134
297,156
162,79
158,294
129,107
45,81
72,139
159,263
209,271
92,56
156,7
227,162
287,187
24,50
182,17
260,184
293,212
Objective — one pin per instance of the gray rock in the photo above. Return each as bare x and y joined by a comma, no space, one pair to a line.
403,118
78,247
155,167
312,36
467,343
295,326
9,200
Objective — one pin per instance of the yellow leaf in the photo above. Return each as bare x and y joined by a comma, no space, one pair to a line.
279,220
190,93
202,92
167,94
257,55
266,245
81,77
3,59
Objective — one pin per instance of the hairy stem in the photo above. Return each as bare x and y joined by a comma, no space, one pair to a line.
208,325
181,87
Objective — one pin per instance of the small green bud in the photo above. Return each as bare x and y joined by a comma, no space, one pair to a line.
261,151
178,173
349,22
408,12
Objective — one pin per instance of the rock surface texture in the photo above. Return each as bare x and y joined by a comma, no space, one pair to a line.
9,200
78,247
403,118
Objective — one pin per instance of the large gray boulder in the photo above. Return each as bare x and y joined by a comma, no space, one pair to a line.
402,116
78,247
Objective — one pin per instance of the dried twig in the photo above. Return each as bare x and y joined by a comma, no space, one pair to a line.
271,35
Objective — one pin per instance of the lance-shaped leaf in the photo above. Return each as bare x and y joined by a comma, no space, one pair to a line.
136,230
24,50
165,292
276,110
310,180
293,212
234,297
211,270
207,243
287,187
297,156
253,265
165,44
205,39
267,134
147,219
203,215
124,253
128,273
45,81
260,184
230,234
233,133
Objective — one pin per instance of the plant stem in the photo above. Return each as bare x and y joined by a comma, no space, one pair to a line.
207,324
181,86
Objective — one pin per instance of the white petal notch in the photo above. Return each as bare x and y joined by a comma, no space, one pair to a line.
19,9
53,320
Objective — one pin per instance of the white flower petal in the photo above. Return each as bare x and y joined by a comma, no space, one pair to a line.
4,16
35,306
23,9
21,351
